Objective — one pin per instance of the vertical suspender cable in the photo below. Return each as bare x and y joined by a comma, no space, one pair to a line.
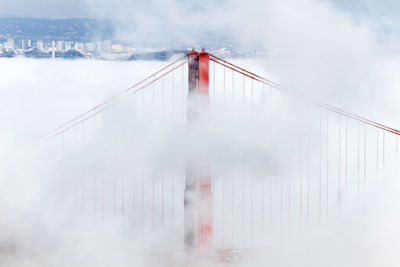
252,90
114,196
262,205
74,188
102,199
143,96
365,154
308,183
183,91
289,194
83,191
94,196
233,86
320,166
243,210
214,81
162,199
143,196
301,193
270,203
233,217
133,196
345,164
123,195
154,93
223,211
263,93
377,152
173,196
224,82
383,148
243,93
173,93
327,164
153,204
252,207
339,182
358,161
281,199
162,95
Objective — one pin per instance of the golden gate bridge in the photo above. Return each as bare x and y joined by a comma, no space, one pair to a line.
327,158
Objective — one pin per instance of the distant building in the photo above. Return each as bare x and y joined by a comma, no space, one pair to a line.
224,52
53,49
23,45
107,46
89,47
79,47
68,45
40,45
131,49
9,45
116,48
60,45
99,47
29,44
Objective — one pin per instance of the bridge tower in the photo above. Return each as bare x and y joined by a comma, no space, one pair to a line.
198,193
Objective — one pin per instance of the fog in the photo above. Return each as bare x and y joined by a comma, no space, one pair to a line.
110,191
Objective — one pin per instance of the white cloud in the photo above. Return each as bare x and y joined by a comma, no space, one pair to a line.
314,49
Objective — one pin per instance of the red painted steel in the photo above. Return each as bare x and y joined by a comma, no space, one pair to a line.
60,127
198,212
309,100
198,220
204,58
204,79
204,228
100,108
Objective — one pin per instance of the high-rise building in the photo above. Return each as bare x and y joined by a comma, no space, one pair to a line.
68,45
116,48
107,46
23,44
89,47
10,44
40,45
99,47
53,49
60,45
79,46
29,44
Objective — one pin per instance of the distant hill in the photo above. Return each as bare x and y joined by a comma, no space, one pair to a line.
159,55
82,30
88,30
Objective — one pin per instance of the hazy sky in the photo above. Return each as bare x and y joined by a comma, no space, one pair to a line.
316,51
84,8
87,8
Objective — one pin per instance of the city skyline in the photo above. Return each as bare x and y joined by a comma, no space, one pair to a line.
89,49
170,133
187,23
96,38
105,50
76,8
